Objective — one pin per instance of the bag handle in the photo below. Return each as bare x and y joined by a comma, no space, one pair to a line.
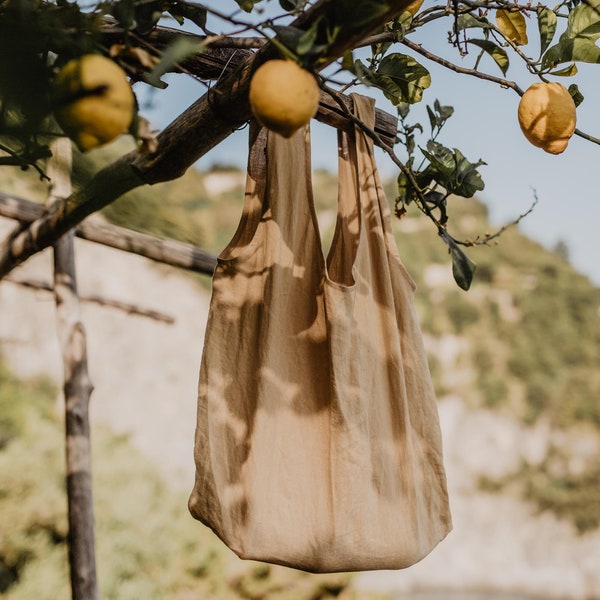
354,201
254,194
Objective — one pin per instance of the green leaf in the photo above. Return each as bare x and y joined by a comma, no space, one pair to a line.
579,49
452,170
307,41
576,94
498,54
566,72
444,112
512,24
186,10
467,179
299,42
123,12
546,26
584,21
577,43
401,24
463,268
247,5
147,15
380,49
433,120
405,189
435,198
196,14
401,78
403,108
288,35
468,21
409,135
176,51
439,115
442,161
348,61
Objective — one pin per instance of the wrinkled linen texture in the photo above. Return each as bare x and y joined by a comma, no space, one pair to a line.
318,443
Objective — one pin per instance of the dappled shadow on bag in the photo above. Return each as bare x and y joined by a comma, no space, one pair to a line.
317,443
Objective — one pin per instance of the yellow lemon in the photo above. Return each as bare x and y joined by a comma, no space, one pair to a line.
547,116
283,96
94,101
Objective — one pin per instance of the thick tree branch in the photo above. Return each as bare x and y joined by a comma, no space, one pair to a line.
169,252
110,183
207,65
200,128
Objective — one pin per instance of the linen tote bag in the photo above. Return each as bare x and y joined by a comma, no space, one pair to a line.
318,443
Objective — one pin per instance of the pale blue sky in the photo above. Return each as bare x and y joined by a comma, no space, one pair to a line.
484,126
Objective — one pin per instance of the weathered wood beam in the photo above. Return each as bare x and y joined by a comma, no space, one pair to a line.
213,62
169,252
200,128
77,391
207,65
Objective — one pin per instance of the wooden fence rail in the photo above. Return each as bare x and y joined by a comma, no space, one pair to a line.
169,252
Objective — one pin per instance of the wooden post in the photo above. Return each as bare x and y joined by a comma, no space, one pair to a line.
77,391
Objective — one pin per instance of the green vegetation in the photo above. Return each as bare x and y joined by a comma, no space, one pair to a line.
148,546
532,320
534,335
568,495
533,349
554,487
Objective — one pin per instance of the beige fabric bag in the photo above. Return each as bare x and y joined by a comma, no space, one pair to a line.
318,442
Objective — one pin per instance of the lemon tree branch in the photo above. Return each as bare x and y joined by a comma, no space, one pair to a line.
463,70
200,128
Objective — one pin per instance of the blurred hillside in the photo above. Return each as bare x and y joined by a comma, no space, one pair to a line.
514,360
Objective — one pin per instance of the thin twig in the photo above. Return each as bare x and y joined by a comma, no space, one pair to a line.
449,65
130,309
486,239
587,136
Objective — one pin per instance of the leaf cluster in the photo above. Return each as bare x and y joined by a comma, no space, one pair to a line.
442,173
30,34
577,43
37,38
49,33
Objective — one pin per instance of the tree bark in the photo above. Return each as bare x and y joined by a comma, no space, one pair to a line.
166,251
77,391
197,130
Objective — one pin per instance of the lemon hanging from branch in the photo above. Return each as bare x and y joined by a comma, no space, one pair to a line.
547,116
94,101
283,96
